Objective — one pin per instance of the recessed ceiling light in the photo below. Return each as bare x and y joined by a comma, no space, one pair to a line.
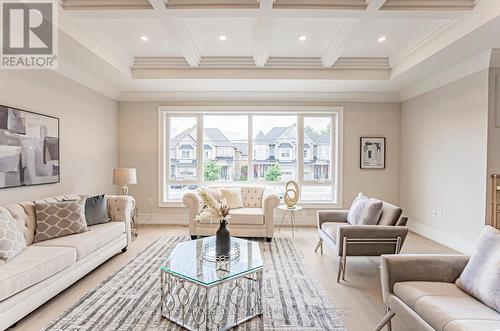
222,37
302,38
144,38
381,39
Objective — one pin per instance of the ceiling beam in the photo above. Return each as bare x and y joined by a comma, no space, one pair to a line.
374,5
177,29
262,28
337,44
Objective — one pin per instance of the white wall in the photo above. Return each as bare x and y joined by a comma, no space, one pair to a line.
88,131
444,161
138,147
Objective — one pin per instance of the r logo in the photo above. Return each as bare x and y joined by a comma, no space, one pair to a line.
27,28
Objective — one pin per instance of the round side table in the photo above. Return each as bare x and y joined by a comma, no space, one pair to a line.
291,212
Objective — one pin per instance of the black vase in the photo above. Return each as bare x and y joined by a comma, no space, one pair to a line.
222,240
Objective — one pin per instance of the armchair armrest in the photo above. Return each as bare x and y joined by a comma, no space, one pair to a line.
374,232
337,216
420,267
120,209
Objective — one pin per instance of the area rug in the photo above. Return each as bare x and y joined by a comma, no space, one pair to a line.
130,298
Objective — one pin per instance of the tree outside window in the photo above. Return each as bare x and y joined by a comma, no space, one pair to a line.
273,173
211,171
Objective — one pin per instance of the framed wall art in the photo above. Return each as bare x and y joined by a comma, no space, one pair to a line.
29,148
372,150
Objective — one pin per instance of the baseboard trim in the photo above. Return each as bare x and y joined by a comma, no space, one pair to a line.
441,237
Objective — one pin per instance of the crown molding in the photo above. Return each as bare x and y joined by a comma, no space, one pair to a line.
105,4
464,69
256,96
241,62
428,5
212,4
320,4
433,32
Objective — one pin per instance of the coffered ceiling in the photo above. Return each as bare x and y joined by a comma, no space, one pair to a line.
303,40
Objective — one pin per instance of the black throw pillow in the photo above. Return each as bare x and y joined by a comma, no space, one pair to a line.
96,210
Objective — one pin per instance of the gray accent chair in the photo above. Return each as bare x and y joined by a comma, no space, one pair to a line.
421,290
386,237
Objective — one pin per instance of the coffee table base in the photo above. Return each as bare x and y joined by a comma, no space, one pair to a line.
220,306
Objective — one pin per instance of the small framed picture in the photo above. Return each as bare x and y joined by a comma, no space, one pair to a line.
372,150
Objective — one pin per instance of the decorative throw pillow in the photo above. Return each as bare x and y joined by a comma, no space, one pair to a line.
481,276
364,211
252,196
215,192
58,219
233,197
96,210
12,240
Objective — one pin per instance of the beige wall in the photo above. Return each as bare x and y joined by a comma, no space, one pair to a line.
138,147
88,131
443,161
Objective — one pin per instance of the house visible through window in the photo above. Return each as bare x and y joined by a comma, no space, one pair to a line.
278,156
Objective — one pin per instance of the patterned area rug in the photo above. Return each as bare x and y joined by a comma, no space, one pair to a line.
130,298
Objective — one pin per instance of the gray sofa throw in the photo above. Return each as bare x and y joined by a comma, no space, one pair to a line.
481,276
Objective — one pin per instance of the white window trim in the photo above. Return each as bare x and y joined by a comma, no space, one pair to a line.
199,111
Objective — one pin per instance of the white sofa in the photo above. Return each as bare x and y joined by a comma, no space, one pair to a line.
254,220
44,269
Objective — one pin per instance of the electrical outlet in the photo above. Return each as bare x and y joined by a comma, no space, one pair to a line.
434,213
439,215
150,202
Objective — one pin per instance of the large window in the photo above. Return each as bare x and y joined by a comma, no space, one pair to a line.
231,147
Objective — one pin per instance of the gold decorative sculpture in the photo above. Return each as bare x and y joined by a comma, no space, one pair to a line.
291,194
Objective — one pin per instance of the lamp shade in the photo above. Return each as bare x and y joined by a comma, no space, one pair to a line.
124,176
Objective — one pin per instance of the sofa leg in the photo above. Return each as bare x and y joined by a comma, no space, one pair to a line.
124,249
320,246
344,257
385,321
269,239
194,237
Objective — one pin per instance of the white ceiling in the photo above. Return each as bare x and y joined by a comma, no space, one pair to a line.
340,53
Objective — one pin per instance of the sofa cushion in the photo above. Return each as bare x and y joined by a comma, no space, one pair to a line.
12,241
331,229
252,196
233,197
58,219
439,310
472,325
481,276
390,214
411,292
96,210
32,265
250,216
90,241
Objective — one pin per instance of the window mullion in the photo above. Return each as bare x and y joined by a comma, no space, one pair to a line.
250,149
199,147
300,149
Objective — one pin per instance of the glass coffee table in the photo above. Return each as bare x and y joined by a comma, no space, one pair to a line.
200,293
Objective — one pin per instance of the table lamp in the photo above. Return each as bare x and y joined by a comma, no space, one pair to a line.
124,176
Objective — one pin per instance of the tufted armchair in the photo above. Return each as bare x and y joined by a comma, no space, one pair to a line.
254,220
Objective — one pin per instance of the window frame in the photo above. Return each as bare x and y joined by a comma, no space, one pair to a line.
335,180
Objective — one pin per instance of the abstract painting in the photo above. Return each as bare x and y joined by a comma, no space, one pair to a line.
372,153
29,148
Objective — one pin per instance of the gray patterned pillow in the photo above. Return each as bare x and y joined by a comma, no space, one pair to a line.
59,219
481,276
12,240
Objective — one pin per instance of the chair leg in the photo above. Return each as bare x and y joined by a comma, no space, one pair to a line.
319,245
389,323
344,257
340,270
387,319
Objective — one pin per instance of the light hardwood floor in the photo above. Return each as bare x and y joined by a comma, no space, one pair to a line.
359,295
